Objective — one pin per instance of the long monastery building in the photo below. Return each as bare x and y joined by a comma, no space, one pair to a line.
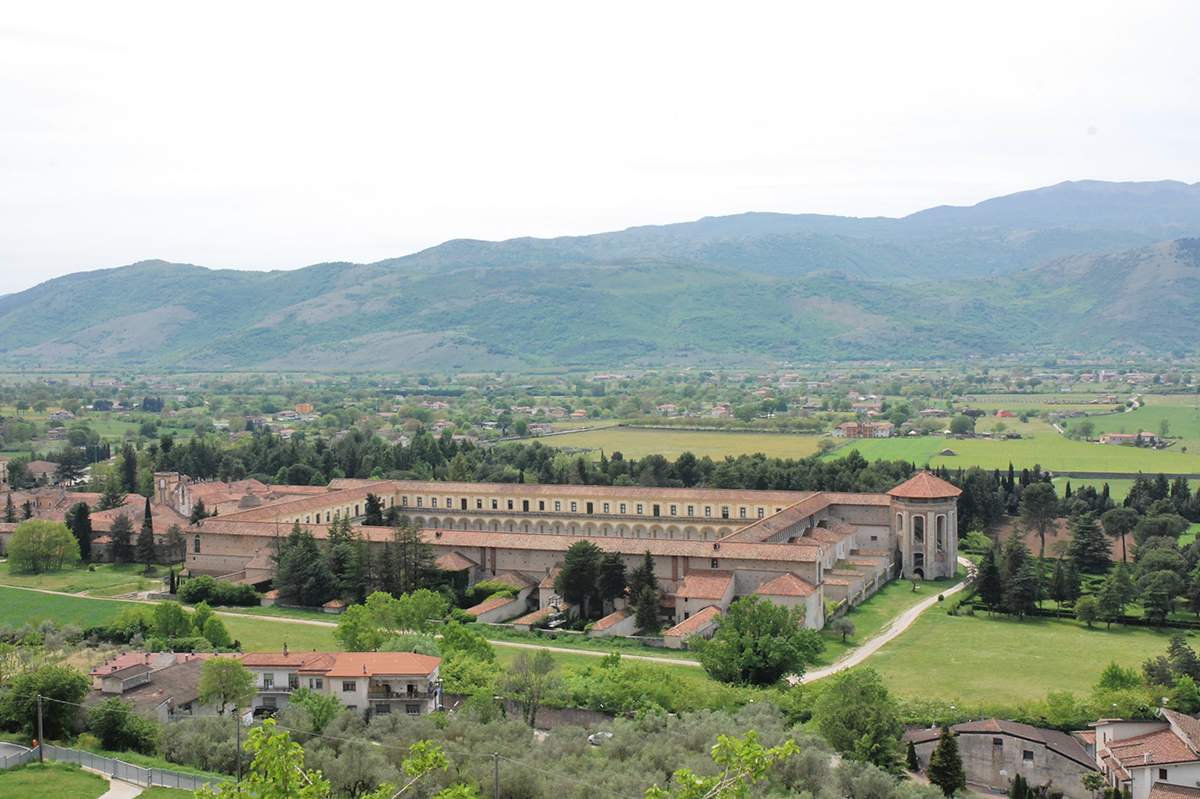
709,546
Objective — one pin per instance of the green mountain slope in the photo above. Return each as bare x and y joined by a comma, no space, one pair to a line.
651,310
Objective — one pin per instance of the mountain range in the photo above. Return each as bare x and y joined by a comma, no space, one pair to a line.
1088,267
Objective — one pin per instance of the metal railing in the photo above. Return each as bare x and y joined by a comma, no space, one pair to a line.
111,766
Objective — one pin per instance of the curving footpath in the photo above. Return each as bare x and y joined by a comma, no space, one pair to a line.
898,625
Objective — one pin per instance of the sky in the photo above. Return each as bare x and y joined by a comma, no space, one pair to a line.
278,135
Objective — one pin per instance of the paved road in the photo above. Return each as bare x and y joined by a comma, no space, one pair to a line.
898,625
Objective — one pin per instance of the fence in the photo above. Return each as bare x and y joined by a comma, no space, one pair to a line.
117,769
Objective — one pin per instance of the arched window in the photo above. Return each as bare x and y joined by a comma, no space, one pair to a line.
196,544
941,534
918,527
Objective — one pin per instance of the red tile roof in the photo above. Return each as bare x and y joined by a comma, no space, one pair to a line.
1161,790
454,562
358,664
787,585
490,604
694,622
925,486
1162,746
291,660
705,584
613,619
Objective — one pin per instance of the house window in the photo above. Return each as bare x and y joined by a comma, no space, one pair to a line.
1162,773
464,504
479,504
997,742
524,506
306,518
349,686
708,510
433,502
589,509
606,507
419,501
510,502
574,506
196,544
874,538
557,505
724,511
761,511
495,506
268,681
449,502
622,507
317,684
1027,755
743,512
654,510
268,701
383,710
320,683
412,710
404,501
918,527
639,513
714,563
673,511
327,517
691,510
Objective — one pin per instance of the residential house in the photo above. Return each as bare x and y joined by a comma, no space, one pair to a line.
386,682
1155,758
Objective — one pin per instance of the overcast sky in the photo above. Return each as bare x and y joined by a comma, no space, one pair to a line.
273,136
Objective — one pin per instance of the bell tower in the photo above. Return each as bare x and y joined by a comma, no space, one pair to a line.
925,523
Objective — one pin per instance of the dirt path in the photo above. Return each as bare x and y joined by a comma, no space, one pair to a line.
898,625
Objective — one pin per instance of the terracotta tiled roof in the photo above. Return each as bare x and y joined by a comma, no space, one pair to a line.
705,584
290,660
787,585
454,562
694,622
925,486
779,522
1161,790
537,615
358,664
1162,746
844,572
515,579
923,735
836,581
548,581
613,619
1187,725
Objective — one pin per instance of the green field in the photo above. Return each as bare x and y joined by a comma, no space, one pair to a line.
637,443
58,780
107,579
977,660
1182,413
1051,451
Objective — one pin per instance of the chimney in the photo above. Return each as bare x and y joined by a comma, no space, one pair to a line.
1148,758
285,649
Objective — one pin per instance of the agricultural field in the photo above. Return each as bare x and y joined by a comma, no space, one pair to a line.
1182,414
1051,451
637,443
973,659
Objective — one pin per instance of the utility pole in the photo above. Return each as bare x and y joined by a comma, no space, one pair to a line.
496,775
237,723
41,754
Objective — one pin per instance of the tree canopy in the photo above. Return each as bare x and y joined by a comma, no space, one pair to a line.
758,642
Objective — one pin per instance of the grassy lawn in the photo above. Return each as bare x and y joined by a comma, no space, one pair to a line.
18,607
279,611
108,579
985,661
871,617
60,780
673,443
1051,451
269,635
605,645
1184,420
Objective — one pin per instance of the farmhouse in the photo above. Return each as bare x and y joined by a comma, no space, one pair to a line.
708,546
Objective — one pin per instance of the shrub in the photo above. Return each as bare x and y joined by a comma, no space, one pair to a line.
205,589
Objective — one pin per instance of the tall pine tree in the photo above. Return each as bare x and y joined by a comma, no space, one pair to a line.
121,533
79,521
990,585
946,765
147,553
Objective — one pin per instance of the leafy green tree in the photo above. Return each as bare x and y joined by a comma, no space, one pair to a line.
1112,598
200,615
171,620
120,729
175,544
576,582
225,683
845,627
740,764
62,689
946,765
216,633
611,582
302,572
413,558
859,718
1118,524
365,627
758,642
321,707
1156,598
1086,610
642,576
40,545
1039,510
79,521
121,548
647,611
531,680
962,425
147,552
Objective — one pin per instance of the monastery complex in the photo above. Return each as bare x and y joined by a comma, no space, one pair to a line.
816,550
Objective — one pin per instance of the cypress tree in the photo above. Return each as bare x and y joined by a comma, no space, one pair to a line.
946,766
121,534
147,553
10,510
79,520
910,757
990,586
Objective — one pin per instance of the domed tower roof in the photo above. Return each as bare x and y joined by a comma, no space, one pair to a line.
925,486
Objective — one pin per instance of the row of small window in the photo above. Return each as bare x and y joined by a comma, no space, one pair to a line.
558,506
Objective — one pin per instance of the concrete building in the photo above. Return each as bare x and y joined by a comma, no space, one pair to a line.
1150,758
